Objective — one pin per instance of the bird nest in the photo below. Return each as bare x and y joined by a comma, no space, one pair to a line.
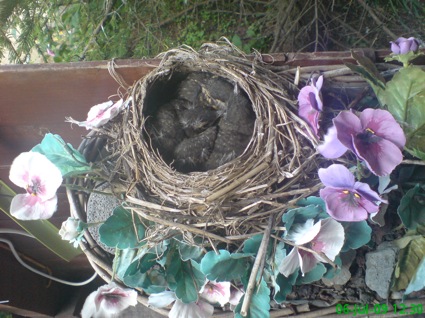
223,200
182,180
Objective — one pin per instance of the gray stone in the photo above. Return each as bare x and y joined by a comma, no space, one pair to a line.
379,269
100,208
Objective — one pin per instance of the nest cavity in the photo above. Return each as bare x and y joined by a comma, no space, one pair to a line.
211,145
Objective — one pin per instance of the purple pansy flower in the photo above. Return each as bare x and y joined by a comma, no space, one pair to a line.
374,136
310,103
346,199
326,236
403,45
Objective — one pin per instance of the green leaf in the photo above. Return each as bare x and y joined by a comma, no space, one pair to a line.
225,266
285,286
357,234
259,306
330,271
119,230
408,262
404,97
418,280
42,230
62,155
312,276
252,245
185,279
412,208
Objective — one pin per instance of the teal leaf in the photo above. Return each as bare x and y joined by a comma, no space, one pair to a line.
188,252
331,272
68,160
314,210
225,266
357,234
260,303
312,276
123,260
151,282
412,207
119,230
185,279
285,286
404,97
252,245
418,280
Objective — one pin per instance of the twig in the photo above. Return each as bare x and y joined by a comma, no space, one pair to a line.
377,20
108,8
257,267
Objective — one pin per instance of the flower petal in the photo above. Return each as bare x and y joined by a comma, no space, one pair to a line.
329,240
383,124
161,300
290,263
344,206
303,233
331,147
309,106
216,292
337,176
364,190
319,84
112,299
307,262
29,207
200,309
381,157
347,124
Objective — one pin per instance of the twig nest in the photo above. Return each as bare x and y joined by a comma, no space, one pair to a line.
211,145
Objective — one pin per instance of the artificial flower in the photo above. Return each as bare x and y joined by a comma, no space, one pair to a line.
198,309
325,236
346,199
71,231
216,292
310,103
235,296
108,301
41,179
374,136
403,45
100,114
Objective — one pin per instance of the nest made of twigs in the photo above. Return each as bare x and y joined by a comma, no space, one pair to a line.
233,201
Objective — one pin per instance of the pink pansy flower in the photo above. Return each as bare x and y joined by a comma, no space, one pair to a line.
310,103
326,236
216,292
198,309
346,199
41,179
108,301
235,296
100,114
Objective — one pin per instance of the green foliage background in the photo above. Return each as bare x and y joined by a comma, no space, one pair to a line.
77,30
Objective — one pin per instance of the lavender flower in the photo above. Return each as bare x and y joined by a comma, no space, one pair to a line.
403,45
310,103
346,199
375,137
